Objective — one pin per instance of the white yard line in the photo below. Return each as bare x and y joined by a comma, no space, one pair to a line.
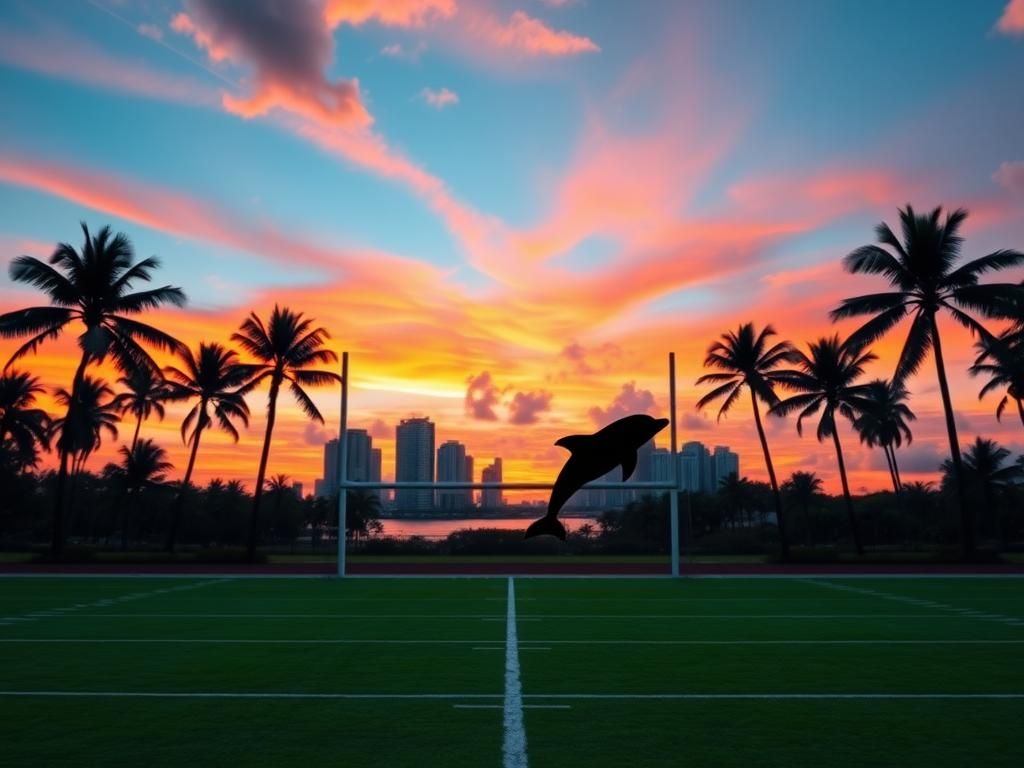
496,697
514,745
477,642
521,617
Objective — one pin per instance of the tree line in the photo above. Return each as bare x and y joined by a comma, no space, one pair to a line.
91,292
925,280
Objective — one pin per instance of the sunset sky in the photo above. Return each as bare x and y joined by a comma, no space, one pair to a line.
510,212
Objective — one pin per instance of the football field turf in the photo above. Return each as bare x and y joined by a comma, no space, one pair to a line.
499,672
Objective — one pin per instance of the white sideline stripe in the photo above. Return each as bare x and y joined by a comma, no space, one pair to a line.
544,641
501,706
495,696
964,612
528,617
514,745
486,616
58,612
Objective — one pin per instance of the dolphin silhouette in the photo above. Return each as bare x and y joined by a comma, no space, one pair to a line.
592,456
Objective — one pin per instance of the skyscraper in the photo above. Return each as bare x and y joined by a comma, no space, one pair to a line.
360,447
414,462
375,464
491,498
694,467
725,463
451,467
469,477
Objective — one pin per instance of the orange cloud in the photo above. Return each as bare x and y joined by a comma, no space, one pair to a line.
390,13
287,48
1012,20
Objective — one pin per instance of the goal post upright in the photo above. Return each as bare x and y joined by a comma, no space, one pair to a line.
674,493
343,469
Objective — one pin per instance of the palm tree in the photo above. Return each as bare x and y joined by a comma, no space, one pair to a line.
922,271
987,473
90,288
883,422
143,465
145,395
285,346
362,511
1003,360
745,359
81,431
804,488
825,381
217,380
24,428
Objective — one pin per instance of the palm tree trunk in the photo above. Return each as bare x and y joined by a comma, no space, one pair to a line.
846,491
179,503
783,540
1020,409
57,539
135,437
275,385
896,468
892,472
966,519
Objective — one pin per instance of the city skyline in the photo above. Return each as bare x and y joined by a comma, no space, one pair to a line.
700,470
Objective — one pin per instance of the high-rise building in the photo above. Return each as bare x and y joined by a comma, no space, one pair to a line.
469,478
491,498
661,465
360,448
358,456
375,465
451,467
332,462
694,468
414,462
725,463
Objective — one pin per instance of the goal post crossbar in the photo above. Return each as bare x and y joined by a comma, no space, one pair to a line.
444,485
672,486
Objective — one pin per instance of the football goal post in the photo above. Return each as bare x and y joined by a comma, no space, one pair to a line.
344,484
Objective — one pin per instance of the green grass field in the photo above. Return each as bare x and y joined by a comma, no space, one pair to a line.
418,672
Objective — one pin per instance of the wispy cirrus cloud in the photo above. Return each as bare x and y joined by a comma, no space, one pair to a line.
439,98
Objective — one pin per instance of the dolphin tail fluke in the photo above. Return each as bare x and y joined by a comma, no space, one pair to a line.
546,525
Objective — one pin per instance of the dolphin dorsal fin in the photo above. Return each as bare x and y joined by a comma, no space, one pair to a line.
628,465
574,443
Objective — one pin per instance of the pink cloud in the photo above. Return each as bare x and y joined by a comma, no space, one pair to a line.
287,46
439,99
525,406
629,400
1012,20
524,35
1010,176
482,395
389,13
